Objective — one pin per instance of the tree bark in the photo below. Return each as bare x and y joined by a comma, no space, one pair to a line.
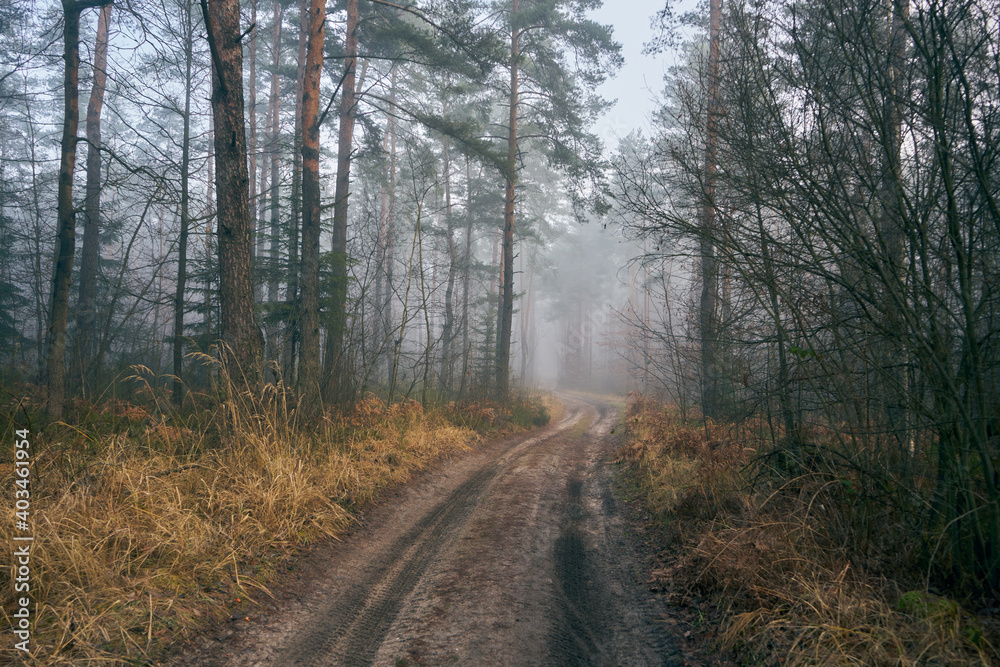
893,354
527,311
179,301
86,317
252,136
709,306
383,273
293,338
274,253
337,382
241,335
466,277
426,306
309,283
505,317
41,326
62,269
448,328
390,242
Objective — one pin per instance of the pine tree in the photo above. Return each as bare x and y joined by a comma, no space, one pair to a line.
241,335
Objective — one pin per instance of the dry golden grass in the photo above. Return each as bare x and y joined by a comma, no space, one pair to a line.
784,591
555,408
163,525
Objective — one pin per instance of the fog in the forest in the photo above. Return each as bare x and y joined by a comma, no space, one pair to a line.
570,335
421,235
583,296
278,218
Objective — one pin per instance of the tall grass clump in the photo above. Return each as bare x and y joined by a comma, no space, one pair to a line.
483,413
151,523
799,553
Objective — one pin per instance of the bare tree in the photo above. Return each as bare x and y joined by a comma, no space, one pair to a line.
857,219
66,228
180,302
85,315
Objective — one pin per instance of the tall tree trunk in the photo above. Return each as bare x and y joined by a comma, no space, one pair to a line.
893,355
466,277
496,296
179,301
293,335
448,329
309,284
85,316
381,324
505,317
425,305
210,213
252,136
708,307
275,154
383,286
66,231
240,333
41,329
66,228
647,330
390,244
274,258
405,318
771,283
527,312
337,383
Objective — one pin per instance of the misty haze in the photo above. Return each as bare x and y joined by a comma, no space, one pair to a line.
500,332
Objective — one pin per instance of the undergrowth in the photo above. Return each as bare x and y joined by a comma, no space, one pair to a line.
150,524
798,565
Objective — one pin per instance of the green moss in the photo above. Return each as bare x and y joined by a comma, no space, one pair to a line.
921,604
941,611
529,414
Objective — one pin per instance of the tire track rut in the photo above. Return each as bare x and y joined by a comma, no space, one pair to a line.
350,629
353,625
579,629
514,554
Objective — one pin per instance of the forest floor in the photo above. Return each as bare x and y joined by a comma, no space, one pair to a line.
782,568
521,552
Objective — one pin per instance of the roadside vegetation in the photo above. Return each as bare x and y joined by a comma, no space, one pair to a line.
795,556
151,523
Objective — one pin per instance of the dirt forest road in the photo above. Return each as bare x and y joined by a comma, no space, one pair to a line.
516,554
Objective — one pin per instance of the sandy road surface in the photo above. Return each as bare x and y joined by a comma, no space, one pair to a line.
513,555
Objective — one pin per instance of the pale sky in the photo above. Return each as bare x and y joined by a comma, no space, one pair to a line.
640,79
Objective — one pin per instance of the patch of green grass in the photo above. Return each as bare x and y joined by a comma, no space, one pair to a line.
529,413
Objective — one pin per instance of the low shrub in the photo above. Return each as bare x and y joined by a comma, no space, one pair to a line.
794,569
528,413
